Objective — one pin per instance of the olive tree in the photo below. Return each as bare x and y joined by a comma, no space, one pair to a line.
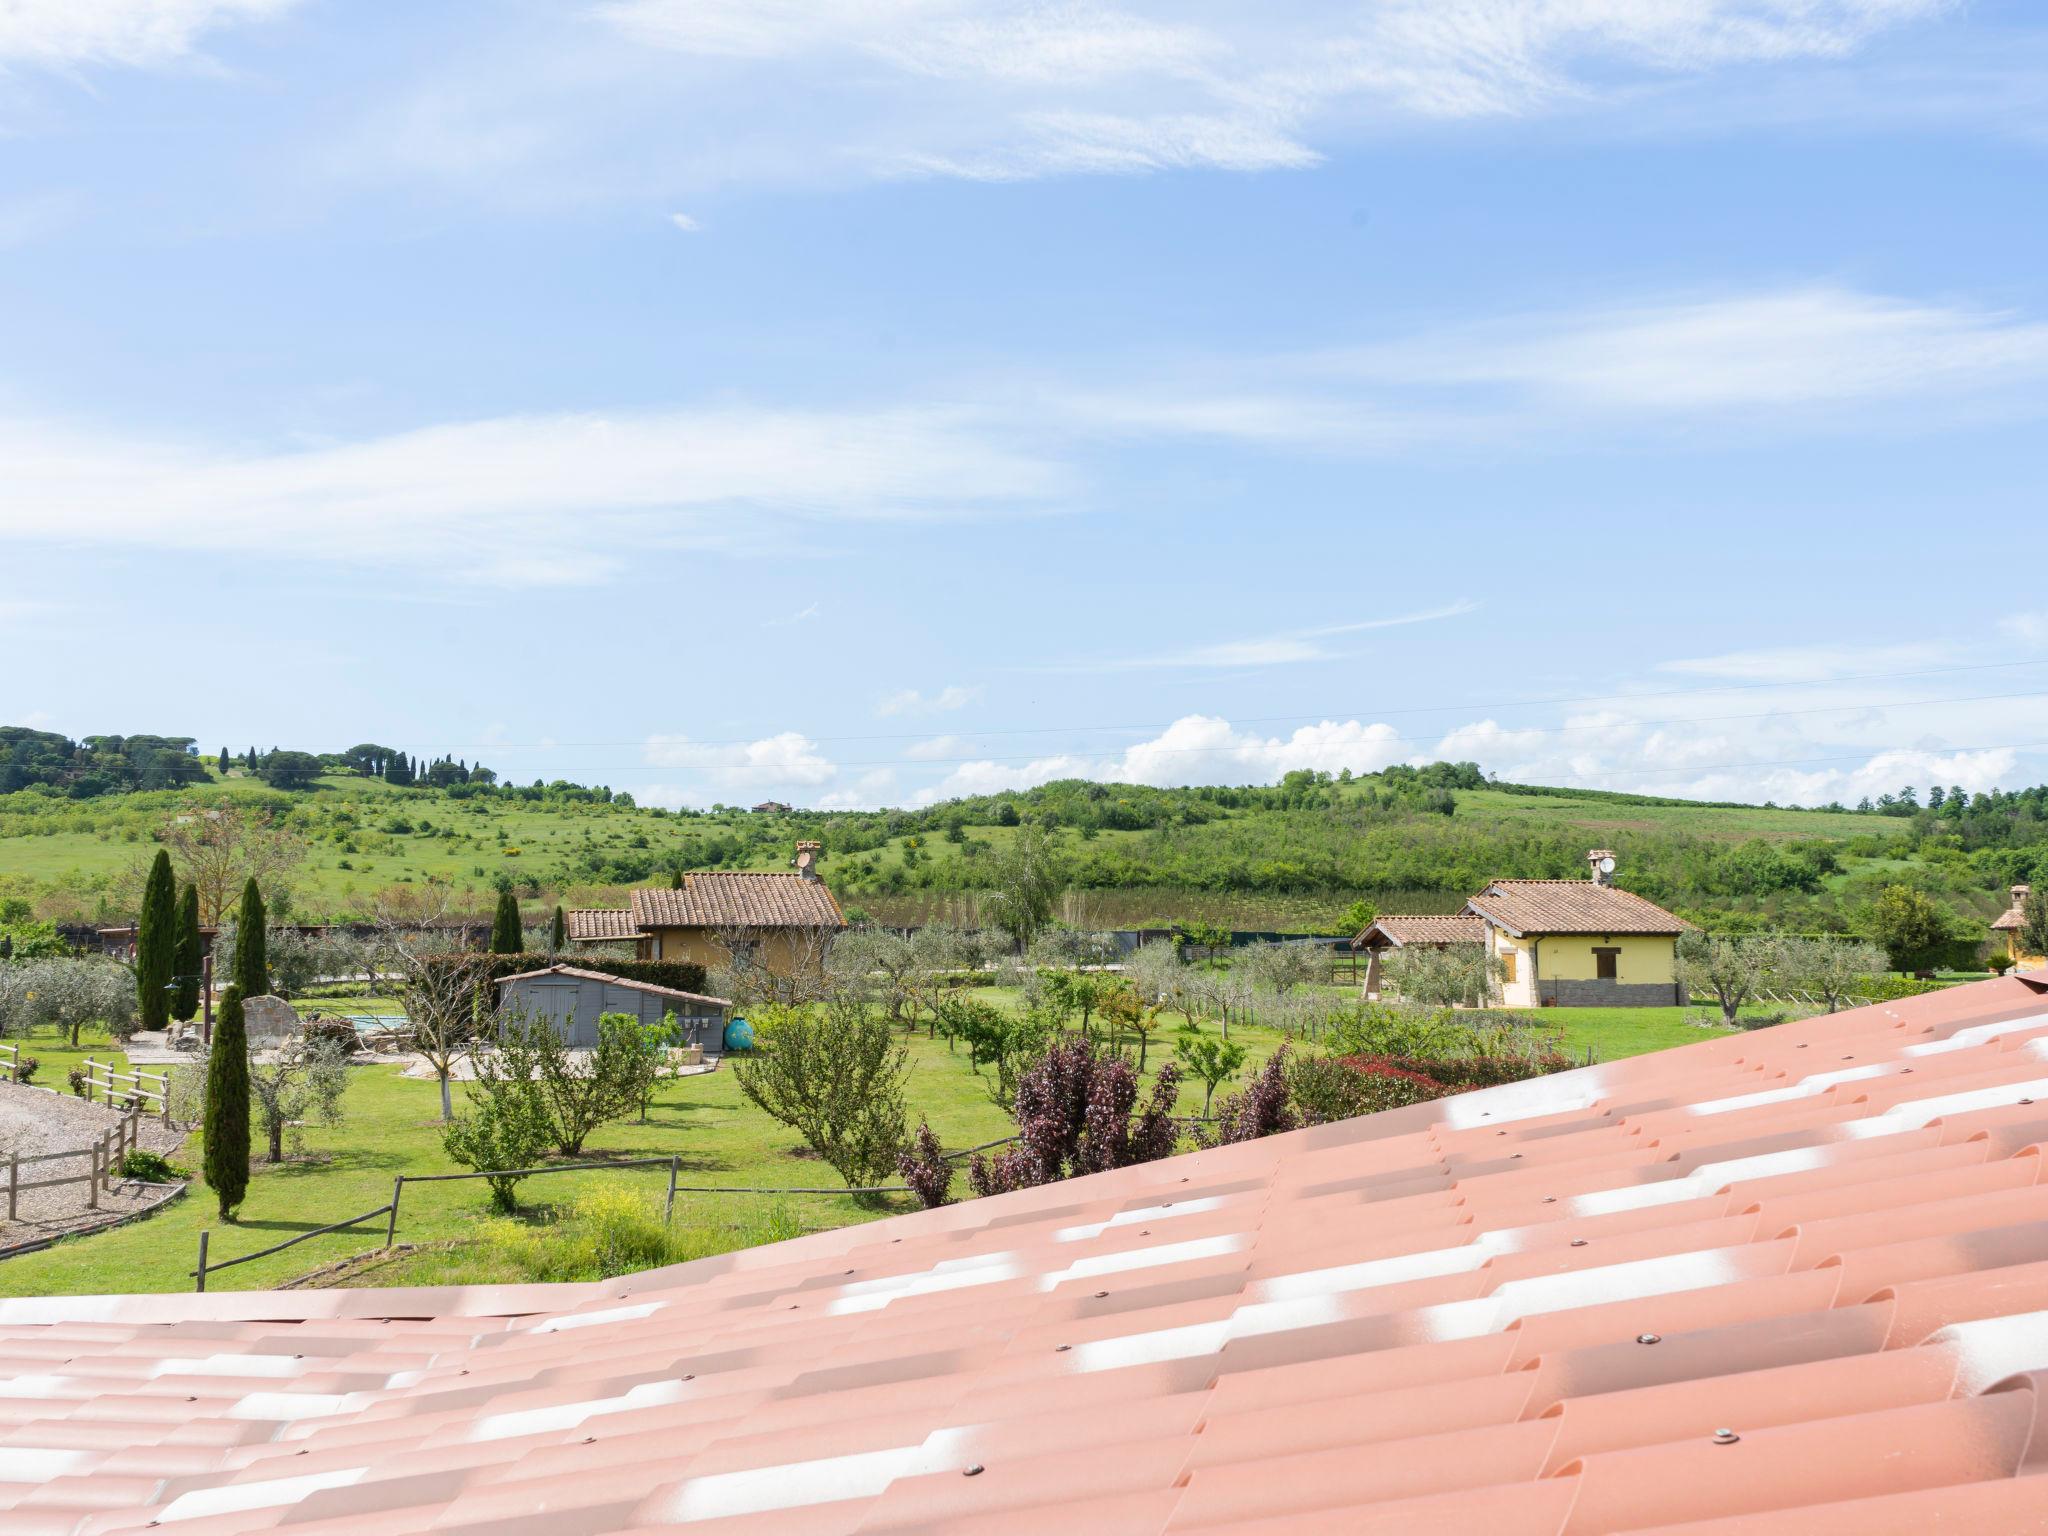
301,1078
1443,975
1280,968
69,994
1828,968
1726,965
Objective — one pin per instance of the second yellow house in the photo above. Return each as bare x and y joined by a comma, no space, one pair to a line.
1581,943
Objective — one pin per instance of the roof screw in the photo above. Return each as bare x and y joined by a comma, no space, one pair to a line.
1061,1349
972,1469
1148,1231
1100,1294
1725,1437
1578,1242
1649,1338
2026,1101
590,1439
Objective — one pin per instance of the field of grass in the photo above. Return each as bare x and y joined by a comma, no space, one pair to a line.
391,1128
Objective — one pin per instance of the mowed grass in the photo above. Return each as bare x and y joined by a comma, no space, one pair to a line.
392,1127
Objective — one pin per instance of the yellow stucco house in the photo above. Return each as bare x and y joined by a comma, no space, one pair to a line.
1571,943
785,919
2011,921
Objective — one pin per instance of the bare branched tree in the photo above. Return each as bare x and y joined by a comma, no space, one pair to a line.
789,969
219,849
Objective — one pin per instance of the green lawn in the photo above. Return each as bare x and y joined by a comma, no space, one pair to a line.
392,1128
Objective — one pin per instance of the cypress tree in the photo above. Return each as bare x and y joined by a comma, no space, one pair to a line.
189,957
227,1105
223,762
507,937
156,943
558,932
252,952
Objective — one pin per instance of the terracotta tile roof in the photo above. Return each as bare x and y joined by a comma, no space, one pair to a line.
1457,929
594,925
2012,919
1787,1282
1571,906
750,899
615,981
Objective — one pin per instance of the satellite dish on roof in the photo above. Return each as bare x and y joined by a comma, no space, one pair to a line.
1607,865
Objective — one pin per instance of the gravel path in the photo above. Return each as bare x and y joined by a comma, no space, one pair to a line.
35,1122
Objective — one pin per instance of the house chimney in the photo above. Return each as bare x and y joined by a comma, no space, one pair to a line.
2020,893
807,859
1601,862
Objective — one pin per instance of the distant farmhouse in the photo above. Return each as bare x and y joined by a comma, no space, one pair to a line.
2011,921
1571,943
783,920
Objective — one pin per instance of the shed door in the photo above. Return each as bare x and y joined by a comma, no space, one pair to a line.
556,1002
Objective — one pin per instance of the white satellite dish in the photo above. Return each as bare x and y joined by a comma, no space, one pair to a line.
1607,865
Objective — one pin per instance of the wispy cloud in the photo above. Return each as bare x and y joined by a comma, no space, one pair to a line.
787,760
1288,646
801,616
668,93
64,33
1805,663
519,501
685,223
912,701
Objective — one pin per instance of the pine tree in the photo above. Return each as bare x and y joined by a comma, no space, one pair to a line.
223,762
189,957
252,952
156,943
227,1106
558,932
507,938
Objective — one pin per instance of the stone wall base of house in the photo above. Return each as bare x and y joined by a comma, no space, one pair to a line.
1612,994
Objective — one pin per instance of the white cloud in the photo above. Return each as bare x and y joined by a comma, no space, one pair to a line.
685,223
1196,749
801,616
518,501
785,761
910,701
935,749
61,33
2030,629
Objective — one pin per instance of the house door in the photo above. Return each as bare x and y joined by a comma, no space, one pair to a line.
1607,964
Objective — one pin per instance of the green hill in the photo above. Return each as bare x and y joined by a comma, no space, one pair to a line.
1293,855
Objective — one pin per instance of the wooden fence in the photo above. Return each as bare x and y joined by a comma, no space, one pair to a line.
10,1057
104,1076
102,1168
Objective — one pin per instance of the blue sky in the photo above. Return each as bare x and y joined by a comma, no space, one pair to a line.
862,401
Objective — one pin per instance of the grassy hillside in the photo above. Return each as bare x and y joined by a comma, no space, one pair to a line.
1291,856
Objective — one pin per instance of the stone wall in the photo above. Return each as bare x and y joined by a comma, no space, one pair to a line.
1612,994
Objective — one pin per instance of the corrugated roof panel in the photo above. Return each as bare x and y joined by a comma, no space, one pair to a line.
1795,1280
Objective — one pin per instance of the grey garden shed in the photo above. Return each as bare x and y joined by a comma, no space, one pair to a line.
572,998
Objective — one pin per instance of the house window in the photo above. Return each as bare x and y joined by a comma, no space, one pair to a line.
1606,963
1507,964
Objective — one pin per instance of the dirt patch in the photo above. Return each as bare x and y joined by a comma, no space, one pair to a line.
347,1271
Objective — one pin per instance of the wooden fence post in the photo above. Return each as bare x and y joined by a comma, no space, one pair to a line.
92,1181
391,1229
13,1184
88,1079
668,1214
200,1273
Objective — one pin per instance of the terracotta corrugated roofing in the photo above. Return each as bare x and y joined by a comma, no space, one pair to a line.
614,981
1422,930
747,899
596,924
1780,1283
1571,906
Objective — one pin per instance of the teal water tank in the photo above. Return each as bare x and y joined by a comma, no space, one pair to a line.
739,1035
